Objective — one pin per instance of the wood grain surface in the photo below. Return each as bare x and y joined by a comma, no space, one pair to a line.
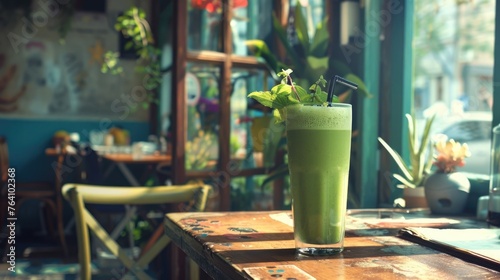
259,245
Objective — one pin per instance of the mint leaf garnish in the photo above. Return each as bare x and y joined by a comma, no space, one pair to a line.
263,97
288,93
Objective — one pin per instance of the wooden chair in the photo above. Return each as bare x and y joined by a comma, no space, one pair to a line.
48,193
78,195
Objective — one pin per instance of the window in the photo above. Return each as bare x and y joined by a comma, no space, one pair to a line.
213,74
453,45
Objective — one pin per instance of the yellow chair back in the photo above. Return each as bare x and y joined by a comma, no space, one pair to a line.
78,195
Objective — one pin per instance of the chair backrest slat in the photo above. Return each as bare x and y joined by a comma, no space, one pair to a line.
78,206
137,195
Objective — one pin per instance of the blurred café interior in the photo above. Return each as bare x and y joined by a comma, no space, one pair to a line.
152,93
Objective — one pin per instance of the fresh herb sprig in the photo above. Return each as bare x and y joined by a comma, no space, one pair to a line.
288,93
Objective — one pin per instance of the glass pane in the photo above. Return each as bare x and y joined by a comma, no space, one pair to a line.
453,49
313,13
202,86
251,20
253,142
204,25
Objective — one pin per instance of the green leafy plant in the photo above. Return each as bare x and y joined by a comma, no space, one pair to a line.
288,93
134,25
310,58
413,173
199,150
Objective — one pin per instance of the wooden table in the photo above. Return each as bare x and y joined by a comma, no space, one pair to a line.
236,245
145,159
122,160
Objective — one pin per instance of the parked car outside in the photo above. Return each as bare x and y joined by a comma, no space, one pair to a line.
473,128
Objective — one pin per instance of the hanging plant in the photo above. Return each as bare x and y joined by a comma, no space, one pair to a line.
134,26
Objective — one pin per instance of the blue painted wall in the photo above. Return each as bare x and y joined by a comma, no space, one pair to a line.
28,139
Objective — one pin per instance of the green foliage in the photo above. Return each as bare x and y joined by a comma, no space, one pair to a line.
288,93
310,58
241,196
420,163
277,173
198,150
133,25
234,144
111,63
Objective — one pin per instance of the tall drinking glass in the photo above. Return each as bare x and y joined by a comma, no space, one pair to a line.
319,147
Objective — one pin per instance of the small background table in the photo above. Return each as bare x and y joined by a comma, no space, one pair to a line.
259,245
122,160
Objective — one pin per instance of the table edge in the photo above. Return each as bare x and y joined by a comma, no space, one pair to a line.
199,254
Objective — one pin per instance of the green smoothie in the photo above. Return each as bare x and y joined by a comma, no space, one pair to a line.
319,145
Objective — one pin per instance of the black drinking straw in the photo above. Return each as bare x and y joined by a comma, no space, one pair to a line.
331,86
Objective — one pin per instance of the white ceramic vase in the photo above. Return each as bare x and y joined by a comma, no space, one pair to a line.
447,193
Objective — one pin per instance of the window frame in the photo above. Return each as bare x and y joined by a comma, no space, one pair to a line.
226,60
496,68
399,80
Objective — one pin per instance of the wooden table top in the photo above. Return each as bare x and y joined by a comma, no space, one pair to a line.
145,159
53,152
259,245
123,157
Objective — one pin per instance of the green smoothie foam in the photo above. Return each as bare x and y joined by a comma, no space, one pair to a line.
319,144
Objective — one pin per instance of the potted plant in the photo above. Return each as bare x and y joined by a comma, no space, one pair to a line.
134,26
446,190
413,173
309,58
